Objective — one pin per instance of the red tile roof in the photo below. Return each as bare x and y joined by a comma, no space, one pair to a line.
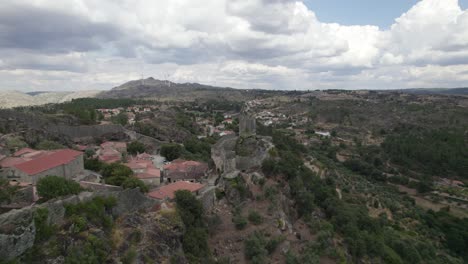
11,161
184,165
149,174
169,190
134,165
43,163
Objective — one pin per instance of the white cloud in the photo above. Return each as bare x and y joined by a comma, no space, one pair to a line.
273,44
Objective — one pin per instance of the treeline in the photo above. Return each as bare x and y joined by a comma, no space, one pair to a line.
365,237
434,152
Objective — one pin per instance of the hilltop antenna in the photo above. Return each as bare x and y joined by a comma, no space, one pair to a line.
168,83
142,76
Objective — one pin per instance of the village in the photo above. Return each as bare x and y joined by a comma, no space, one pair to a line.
24,167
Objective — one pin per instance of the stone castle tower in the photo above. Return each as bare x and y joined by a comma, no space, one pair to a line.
247,124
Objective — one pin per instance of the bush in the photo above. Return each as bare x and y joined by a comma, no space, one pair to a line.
78,224
132,182
239,221
93,164
43,230
54,186
96,211
255,218
255,248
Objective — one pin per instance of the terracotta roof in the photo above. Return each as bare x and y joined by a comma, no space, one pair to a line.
23,151
11,161
168,191
47,162
134,165
184,165
150,173
36,154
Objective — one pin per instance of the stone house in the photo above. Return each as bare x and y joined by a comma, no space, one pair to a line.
183,170
167,192
65,163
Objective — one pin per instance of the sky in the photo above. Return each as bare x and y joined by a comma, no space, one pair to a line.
71,45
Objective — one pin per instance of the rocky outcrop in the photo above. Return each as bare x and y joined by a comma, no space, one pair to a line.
17,233
154,236
90,133
17,229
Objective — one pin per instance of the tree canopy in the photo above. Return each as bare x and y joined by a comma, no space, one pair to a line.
54,186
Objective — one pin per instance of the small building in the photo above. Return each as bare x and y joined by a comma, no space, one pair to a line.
150,176
144,169
29,168
184,170
167,192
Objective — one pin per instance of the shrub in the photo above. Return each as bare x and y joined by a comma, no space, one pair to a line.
171,151
54,186
239,221
93,164
255,218
49,145
255,248
95,211
135,147
43,230
78,224
130,256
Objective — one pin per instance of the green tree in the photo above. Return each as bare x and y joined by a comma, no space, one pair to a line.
54,186
195,240
132,182
171,151
116,173
135,147
121,119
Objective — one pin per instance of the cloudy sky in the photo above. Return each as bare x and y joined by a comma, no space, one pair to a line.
268,44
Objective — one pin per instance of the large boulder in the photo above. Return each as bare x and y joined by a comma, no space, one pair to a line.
17,232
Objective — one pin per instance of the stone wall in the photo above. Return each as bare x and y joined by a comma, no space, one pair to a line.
94,186
17,229
89,133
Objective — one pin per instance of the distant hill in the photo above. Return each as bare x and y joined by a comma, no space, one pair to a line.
9,99
161,90
446,91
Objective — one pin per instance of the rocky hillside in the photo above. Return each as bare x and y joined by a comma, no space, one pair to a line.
10,99
151,88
